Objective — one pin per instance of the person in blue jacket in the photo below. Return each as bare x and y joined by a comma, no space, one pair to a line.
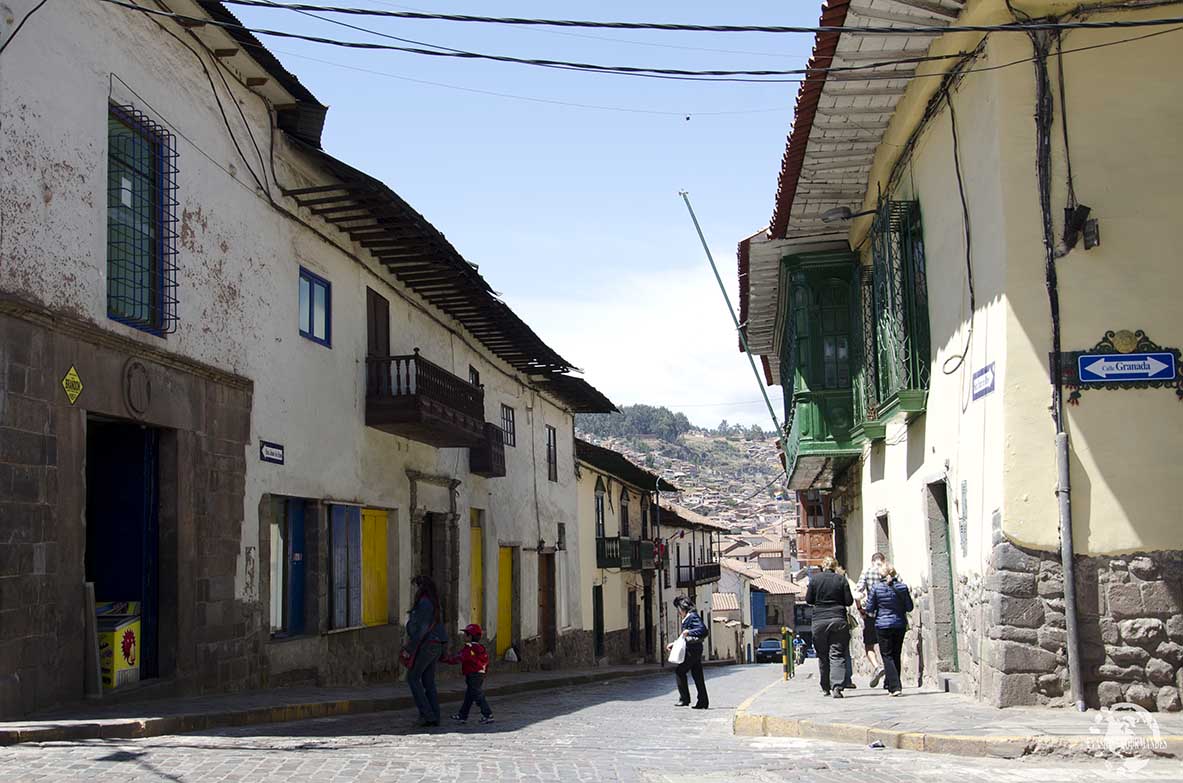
693,631
426,638
889,602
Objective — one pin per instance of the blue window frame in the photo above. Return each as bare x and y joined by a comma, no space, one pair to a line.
316,308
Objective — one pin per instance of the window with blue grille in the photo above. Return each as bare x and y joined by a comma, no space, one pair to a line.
315,308
141,222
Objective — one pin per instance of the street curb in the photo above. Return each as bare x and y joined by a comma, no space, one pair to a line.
137,728
747,724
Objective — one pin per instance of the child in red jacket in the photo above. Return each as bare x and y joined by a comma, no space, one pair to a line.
474,660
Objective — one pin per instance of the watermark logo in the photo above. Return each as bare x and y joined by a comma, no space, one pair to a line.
1127,736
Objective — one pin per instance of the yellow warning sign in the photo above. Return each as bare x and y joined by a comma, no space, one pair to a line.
72,384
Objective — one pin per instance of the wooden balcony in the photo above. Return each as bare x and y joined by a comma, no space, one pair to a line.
617,552
701,574
646,555
488,459
411,397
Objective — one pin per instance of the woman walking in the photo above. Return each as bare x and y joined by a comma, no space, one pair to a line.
426,638
693,631
829,595
890,601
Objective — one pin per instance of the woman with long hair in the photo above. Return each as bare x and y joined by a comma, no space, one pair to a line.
693,631
426,638
889,601
829,594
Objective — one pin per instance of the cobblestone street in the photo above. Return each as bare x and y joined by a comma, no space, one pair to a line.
619,731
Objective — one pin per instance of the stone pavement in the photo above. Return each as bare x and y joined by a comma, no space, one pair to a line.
623,730
934,721
155,717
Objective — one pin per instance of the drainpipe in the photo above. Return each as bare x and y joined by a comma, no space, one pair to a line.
1067,557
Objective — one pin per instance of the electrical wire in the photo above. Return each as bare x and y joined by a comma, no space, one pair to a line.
559,64
21,24
954,363
1072,202
532,99
1021,27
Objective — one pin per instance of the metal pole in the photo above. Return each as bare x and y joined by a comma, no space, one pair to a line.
781,436
660,571
1068,560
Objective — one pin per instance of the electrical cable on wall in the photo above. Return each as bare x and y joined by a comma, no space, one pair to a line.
21,24
954,363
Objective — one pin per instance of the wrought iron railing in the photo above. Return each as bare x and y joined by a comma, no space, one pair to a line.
409,376
899,301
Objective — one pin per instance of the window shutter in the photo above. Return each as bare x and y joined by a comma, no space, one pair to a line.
353,545
340,569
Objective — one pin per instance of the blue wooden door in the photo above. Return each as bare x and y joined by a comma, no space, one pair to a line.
295,554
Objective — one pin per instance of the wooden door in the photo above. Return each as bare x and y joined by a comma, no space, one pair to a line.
504,599
476,602
546,602
374,607
377,324
598,620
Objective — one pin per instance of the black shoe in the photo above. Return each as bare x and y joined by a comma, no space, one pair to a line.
848,686
825,691
700,707
681,704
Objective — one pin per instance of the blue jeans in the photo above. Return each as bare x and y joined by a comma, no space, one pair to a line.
421,678
474,692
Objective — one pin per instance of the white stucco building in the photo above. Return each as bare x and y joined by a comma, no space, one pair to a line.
271,391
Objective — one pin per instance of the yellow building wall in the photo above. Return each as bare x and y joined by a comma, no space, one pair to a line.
616,583
1125,106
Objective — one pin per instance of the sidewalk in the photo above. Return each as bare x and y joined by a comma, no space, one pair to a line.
938,722
95,720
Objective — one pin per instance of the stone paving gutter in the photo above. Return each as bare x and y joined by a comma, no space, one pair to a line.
179,716
937,722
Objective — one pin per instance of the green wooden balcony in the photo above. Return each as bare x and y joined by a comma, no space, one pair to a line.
821,442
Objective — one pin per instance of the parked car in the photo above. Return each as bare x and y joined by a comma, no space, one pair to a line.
769,651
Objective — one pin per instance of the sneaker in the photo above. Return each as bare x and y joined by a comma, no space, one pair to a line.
825,692
459,718
681,704
897,693
878,676
486,719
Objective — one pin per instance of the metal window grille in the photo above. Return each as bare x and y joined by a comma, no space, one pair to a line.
141,222
552,453
900,298
508,431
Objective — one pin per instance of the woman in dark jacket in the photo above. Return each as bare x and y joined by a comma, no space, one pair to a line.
693,631
426,638
829,595
890,601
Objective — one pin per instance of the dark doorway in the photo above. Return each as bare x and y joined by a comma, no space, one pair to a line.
941,568
598,620
377,324
634,625
428,534
648,609
546,602
122,525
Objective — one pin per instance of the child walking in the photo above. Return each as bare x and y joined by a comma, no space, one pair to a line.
474,660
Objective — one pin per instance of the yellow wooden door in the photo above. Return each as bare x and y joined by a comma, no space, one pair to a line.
477,577
374,607
504,599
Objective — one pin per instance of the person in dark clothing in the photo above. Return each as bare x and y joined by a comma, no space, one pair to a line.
890,601
693,631
829,595
474,662
426,638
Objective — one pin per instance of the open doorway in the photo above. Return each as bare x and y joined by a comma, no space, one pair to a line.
123,552
941,569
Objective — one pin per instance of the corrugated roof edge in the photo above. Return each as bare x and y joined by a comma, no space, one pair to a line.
617,464
824,45
306,118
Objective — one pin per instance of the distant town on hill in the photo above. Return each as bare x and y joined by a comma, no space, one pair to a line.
730,473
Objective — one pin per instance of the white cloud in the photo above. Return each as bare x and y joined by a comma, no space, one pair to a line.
657,338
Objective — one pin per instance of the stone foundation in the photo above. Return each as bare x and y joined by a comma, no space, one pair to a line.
1130,615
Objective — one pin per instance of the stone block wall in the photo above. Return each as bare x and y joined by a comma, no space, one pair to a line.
1130,615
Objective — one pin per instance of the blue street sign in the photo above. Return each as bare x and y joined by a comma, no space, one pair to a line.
1116,367
983,381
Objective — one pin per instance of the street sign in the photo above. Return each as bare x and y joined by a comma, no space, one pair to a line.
271,452
1118,367
983,381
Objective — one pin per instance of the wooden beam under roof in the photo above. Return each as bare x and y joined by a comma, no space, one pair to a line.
834,90
223,53
853,111
883,15
294,192
933,7
885,55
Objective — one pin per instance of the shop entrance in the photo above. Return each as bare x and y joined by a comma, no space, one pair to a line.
123,538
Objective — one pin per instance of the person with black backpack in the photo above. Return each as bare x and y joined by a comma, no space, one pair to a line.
889,602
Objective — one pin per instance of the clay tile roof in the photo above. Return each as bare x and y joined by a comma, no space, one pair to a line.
724,602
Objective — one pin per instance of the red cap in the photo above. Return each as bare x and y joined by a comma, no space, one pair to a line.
474,630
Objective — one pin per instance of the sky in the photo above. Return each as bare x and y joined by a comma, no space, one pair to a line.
572,213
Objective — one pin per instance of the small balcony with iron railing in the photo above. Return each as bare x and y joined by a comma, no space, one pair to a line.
414,398
488,459
701,574
618,552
